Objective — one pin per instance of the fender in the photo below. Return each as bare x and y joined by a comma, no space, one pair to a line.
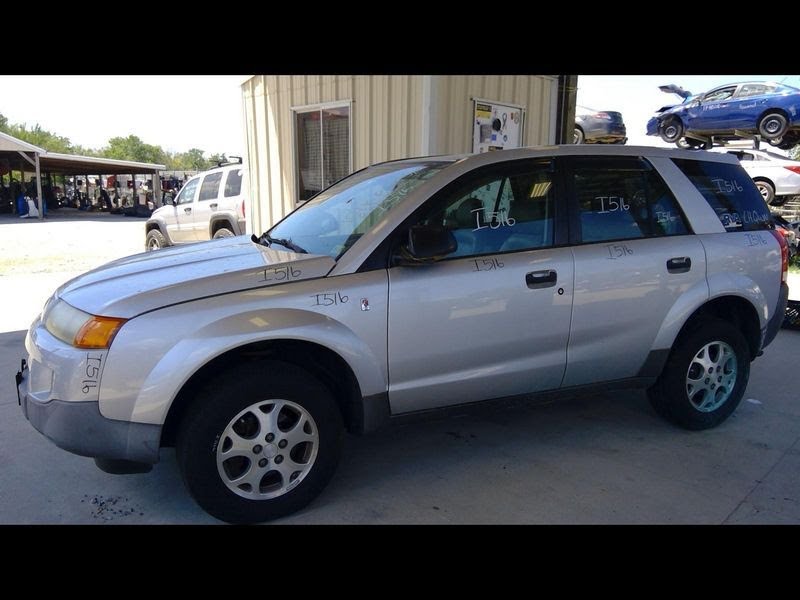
155,223
226,216
146,372
685,307
719,285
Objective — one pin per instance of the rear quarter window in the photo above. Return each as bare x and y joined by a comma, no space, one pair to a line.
730,192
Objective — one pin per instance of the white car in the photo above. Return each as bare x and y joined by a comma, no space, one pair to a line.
211,205
776,177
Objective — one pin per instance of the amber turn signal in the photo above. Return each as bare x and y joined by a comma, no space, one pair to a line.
98,332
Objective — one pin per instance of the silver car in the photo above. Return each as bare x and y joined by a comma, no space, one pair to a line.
412,285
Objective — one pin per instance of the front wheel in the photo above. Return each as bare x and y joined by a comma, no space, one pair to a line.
154,240
259,442
705,377
577,136
672,131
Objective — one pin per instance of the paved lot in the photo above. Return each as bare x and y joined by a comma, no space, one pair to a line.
593,459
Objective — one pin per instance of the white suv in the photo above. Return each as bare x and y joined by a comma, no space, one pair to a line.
413,285
210,205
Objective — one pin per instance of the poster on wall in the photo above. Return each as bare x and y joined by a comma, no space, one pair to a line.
496,126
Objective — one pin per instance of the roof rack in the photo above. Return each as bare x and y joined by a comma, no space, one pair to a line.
225,163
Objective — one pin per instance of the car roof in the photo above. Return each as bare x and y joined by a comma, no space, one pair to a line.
475,160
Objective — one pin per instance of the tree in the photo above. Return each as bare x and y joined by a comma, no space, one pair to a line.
133,148
121,148
36,136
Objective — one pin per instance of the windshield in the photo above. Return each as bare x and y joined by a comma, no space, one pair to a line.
336,218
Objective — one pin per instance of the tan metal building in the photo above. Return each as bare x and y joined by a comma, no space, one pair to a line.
305,132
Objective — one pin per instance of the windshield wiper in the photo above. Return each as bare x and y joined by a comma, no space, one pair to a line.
286,243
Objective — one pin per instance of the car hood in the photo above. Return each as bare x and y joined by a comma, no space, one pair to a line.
143,282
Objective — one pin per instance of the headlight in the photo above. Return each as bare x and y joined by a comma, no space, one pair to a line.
78,328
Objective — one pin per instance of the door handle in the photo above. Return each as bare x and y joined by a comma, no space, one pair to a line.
541,279
187,210
682,264
213,206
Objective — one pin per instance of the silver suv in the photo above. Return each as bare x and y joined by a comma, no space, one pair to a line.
211,205
407,286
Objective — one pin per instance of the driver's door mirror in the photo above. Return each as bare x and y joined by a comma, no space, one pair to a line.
425,244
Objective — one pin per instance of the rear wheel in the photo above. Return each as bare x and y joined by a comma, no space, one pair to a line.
672,131
773,125
223,233
260,442
766,190
705,377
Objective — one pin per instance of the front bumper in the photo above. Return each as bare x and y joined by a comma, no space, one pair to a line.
652,126
58,389
78,427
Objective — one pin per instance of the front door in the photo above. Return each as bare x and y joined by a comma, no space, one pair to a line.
491,319
712,113
181,226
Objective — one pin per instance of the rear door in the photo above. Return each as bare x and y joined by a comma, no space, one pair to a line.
206,205
634,258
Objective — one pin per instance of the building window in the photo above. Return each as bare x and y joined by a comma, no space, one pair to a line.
323,148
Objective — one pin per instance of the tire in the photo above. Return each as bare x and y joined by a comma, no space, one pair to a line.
773,125
779,200
766,189
672,131
223,233
692,144
791,319
577,136
670,394
233,412
155,240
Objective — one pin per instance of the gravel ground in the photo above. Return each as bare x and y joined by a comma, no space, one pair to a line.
38,256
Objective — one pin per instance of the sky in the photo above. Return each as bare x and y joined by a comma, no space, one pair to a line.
174,112
182,112
637,97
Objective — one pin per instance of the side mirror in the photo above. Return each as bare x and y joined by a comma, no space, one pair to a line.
427,243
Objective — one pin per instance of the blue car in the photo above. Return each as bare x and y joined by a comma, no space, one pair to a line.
771,110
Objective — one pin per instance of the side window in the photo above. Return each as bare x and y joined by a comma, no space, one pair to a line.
730,192
210,188
754,89
499,212
623,199
720,94
186,195
233,183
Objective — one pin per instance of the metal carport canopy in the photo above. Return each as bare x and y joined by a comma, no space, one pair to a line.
69,164
22,155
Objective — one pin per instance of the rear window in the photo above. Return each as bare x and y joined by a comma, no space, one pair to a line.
730,192
233,184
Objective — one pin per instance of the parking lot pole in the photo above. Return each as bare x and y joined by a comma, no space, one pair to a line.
39,188
156,189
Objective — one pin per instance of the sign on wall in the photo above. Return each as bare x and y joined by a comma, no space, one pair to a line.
496,126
